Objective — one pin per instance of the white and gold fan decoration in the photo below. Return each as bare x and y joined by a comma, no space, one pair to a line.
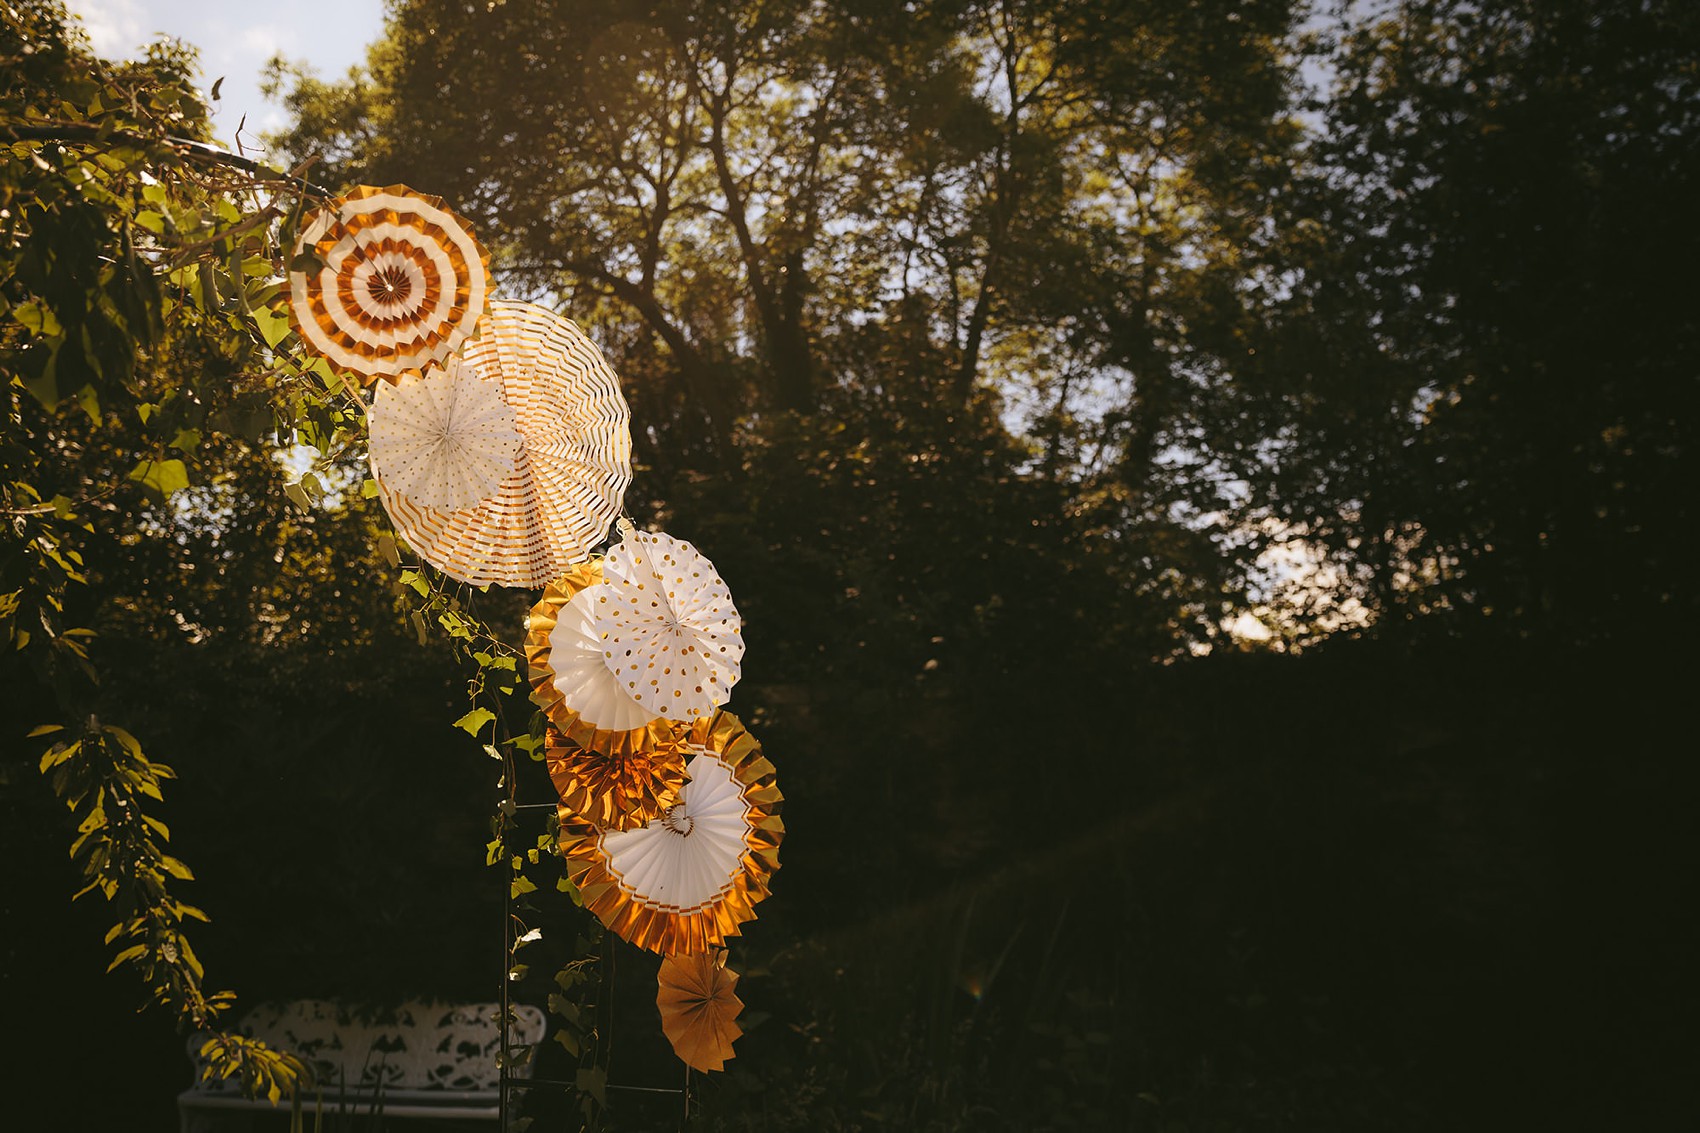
686,881
569,473
500,444
669,630
580,695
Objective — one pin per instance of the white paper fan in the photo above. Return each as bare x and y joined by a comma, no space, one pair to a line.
668,627
445,440
586,685
572,469
688,858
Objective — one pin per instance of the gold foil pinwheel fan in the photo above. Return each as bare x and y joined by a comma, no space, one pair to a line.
684,882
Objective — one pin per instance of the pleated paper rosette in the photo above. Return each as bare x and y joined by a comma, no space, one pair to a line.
616,791
668,626
571,683
445,439
699,1005
683,883
569,475
400,282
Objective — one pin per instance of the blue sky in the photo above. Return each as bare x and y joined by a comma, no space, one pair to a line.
235,38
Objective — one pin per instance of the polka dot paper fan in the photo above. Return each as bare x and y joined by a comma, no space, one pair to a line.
669,630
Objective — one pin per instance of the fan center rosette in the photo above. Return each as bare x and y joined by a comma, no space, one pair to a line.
400,282
446,439
569,476
668,627
684,882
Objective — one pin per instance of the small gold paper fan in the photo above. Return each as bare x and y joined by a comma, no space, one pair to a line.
698,1001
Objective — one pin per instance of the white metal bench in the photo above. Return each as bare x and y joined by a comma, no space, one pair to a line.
419,1060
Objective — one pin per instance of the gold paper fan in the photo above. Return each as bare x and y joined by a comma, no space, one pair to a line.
685,882
402,282
569,681
616,791
698,1002
571,471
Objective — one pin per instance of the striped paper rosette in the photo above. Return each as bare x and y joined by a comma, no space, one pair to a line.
569,473
399,283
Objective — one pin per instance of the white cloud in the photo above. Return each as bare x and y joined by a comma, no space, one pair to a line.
116,28
236,41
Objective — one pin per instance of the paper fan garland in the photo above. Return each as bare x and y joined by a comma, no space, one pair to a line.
669,629
571,471
401,282
698,1001
569,681
686,881
447,439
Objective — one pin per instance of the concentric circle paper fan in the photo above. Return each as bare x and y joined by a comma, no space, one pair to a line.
685,882
668,627
570,682
400,282
616,791
698,1000
444,440
573,466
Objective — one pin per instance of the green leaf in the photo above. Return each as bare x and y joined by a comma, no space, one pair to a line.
274,328
521,886
162,476
593,1080
473,722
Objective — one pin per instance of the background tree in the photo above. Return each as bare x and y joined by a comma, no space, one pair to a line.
1480,394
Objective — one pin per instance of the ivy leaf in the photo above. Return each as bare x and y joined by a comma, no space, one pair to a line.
593,1080
162,476
473,722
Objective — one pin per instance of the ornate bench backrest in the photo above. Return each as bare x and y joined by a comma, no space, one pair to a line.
417,1046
